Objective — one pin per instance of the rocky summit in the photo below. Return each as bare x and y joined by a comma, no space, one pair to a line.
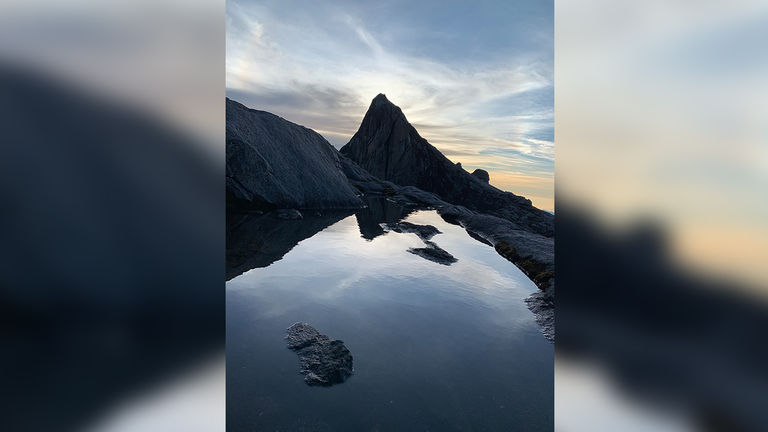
273,163
388,147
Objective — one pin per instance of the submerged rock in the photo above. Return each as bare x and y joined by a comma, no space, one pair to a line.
434,253
425,232
323,361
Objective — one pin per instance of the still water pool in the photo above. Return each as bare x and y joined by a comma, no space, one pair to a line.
436,347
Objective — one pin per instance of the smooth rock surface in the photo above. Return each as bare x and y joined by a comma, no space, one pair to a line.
273,163
324,362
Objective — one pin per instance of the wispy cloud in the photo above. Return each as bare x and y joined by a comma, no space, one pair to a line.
488,102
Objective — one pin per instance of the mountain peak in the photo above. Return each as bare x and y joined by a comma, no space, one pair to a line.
380,98
381,101
389,147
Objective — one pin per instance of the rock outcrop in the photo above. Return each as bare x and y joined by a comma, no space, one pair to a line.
273,163
324,362
482,175
388,147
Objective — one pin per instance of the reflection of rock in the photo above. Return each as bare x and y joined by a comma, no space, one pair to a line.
425,232
258,240
378,210
434,253
323,361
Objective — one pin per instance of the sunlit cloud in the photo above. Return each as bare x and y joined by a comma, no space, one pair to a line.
477,90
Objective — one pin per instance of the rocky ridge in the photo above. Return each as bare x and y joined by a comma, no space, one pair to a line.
411,173
388,147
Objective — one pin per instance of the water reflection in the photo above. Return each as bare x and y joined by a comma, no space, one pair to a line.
257,240
436,347
378,211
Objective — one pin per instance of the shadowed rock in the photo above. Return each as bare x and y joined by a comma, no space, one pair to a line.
425,232
272,162
289,214
434,253
482,175
323,361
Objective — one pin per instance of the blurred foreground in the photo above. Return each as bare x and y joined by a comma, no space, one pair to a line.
112,228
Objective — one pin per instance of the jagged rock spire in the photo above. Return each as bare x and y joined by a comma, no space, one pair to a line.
389,147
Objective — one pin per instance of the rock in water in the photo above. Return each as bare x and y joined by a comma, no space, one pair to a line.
425,232
390,148
323,361
273,163
434,253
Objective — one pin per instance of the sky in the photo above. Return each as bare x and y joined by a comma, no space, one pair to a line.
474,78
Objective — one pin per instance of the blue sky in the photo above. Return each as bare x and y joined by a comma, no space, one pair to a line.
475,78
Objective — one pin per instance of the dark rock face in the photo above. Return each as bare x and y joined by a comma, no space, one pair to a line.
273,163
324,362
434,253
542,304
289,214
425,232
482,175
390,148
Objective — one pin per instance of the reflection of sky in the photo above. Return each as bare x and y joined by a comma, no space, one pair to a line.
433,345
338,260
475,79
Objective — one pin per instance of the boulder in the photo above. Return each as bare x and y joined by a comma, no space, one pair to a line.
482,175
324,362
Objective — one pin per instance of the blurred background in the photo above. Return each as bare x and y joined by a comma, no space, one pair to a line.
112,222
661,179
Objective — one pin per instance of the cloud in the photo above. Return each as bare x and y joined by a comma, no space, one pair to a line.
321,65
